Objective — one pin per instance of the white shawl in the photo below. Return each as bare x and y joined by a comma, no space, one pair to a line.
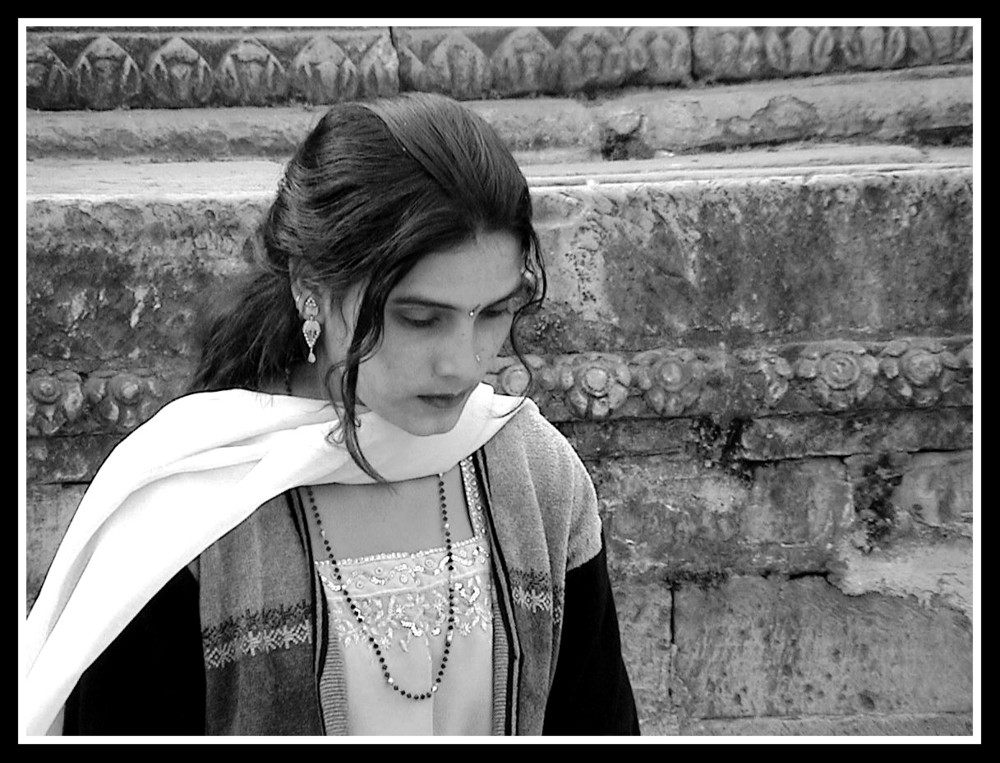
182,480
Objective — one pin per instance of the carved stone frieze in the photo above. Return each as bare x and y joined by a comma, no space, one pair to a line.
741,53
189,68
820,377
70,69
66,402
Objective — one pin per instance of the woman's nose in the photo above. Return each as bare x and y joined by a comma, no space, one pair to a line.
458,355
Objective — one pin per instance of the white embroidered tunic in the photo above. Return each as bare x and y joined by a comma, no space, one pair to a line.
403,597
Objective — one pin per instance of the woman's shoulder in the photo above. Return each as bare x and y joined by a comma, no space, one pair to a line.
534,438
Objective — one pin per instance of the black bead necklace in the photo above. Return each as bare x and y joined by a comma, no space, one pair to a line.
342,587
449,634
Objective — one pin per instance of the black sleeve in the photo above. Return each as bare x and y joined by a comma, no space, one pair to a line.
151,679
591,693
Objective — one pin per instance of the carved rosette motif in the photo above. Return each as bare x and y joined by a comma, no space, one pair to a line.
105,401
177,76
671,380
322,73
105,76
842,373
919,371
600,384
249,74
665,383
778,374
52,401
48,79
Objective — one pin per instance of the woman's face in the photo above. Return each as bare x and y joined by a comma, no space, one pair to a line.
445,322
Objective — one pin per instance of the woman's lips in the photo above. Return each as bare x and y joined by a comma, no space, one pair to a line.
444,402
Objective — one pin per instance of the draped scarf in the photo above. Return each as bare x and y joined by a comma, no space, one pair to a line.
181,481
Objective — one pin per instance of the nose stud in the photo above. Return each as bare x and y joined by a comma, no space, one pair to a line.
477,359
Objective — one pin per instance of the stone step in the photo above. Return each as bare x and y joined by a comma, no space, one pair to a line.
923,105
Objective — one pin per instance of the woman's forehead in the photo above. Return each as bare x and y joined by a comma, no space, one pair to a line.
476,272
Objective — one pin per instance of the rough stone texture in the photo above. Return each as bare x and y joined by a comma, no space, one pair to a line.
742,53
913,531
48,512
910,105
896,724
767,439
632,266
687,520
644,617
756,647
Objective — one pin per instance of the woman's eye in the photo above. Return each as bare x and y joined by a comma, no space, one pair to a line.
418,321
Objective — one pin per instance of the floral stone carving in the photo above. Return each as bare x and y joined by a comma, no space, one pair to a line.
919,370
591,57
525,62
105,76
177,75
52,401
322,73
48,80
671,380
250,75
599,384
842,373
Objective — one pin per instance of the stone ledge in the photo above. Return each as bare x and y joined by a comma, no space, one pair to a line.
861,254
629,124
141,67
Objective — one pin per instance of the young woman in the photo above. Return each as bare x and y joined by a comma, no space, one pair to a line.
342,529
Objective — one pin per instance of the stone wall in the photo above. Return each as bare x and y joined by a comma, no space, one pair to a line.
765,357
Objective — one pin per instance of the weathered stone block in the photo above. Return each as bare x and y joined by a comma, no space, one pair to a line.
756,647
733,260
678,519
48,512
737,260
937,490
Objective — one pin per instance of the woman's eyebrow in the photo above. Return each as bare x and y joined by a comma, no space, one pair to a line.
418,301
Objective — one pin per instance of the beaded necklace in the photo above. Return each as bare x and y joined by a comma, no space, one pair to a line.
342,587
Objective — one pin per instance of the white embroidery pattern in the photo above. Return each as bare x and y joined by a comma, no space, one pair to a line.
404,596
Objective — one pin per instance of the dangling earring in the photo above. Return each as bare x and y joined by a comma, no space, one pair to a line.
311,327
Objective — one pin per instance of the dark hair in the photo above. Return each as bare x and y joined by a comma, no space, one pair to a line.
374,187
